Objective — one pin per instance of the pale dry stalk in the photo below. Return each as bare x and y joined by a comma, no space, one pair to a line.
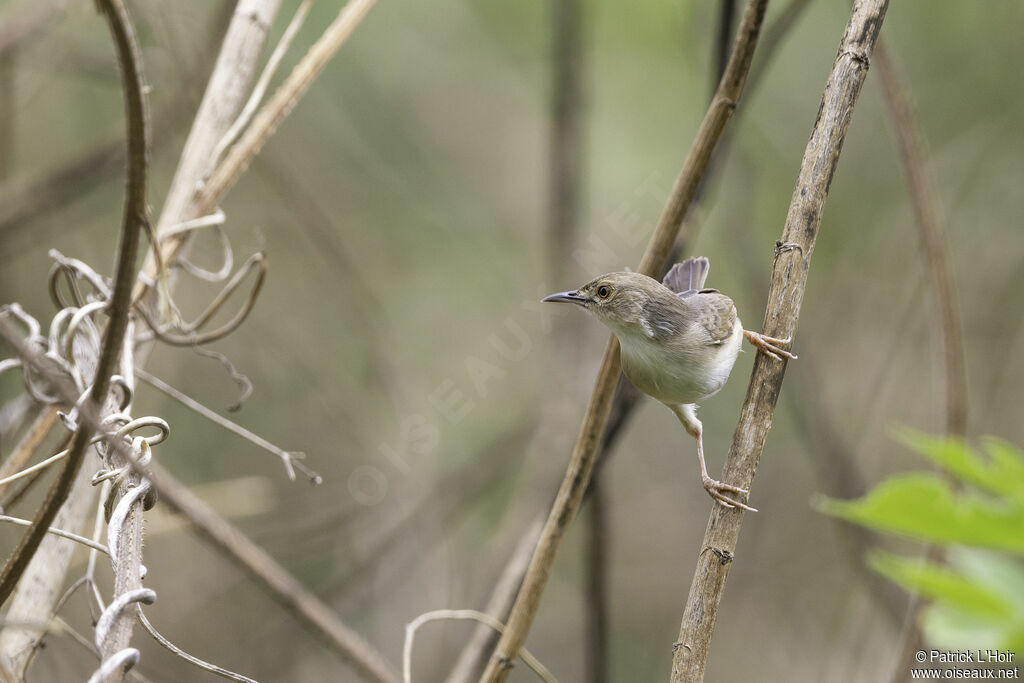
40,585
587,445
789,278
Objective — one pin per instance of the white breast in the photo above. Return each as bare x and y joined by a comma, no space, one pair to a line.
683,378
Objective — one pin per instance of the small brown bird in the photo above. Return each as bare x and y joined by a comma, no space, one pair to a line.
678,342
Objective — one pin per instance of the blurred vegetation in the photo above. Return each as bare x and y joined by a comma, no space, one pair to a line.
402,207
978,600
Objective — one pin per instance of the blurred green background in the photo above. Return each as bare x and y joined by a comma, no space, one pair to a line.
403,208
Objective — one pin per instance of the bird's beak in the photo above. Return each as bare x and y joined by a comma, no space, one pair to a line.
567,297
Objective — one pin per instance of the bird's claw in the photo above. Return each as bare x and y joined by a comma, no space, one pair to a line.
770,346
717,490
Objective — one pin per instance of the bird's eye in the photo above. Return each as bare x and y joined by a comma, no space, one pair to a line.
603,291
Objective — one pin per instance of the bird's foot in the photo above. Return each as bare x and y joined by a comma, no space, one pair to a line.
717,490
771,346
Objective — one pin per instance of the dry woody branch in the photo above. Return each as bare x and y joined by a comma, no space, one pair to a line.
789,278
584,454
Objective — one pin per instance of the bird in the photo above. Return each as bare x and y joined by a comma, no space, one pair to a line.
678,342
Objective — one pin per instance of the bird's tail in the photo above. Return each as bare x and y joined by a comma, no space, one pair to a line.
688,276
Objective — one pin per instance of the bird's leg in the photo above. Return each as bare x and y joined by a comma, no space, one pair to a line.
717,489
769,345
687,414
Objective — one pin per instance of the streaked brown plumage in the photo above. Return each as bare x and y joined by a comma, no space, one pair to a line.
678,342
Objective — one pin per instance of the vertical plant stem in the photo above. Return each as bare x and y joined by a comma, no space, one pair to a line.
596,626
581,463
280,104
723,36
567,135
282,586
565,201
118,310
225,95
41,585
474,656
71,476
929,228
45,419
789,279
127,569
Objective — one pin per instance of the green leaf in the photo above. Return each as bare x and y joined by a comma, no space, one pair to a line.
948,628
941,584
1009,461
924,506
975,602
978,599
1001,473
1000,574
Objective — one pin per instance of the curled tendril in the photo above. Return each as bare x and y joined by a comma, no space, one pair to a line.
122,660
74,270
215,221
188,334
130,426
126,389
239,378
29,374
82,314
120,513
19,314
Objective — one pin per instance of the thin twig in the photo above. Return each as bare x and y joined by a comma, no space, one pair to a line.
565,189
723,40
260,89
282,102
789,278
187,203
11,497
32,439
773,37
596,625
258,263
474,656
288,458
282,586
88,646
486,619
38,467
241,380
191,659
930,231
134,216
127,566
23,203
57,532
41,584
585,451
627,397
225,95
566,160
834,460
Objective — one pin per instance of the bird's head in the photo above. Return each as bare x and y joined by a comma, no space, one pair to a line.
622,301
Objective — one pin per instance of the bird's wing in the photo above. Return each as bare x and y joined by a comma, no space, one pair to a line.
716,314
687,278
